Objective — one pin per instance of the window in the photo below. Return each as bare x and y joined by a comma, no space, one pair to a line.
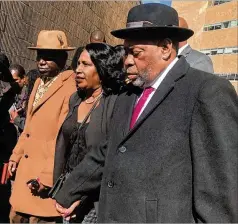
235,51
229,76
233,23
222,25
207,52
217,26
226,24
219,51
228,51
211,28
220,2
213,52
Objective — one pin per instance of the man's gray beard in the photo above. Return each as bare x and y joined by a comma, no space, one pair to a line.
141,80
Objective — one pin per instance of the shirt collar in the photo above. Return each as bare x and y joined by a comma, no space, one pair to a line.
181,49
47,80
160,78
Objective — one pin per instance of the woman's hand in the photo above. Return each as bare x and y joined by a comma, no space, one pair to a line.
12,166
14,114
67,213
33,189
36,186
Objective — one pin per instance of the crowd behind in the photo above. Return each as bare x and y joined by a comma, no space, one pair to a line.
55,125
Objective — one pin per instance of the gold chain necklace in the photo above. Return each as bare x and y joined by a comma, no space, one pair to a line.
93,100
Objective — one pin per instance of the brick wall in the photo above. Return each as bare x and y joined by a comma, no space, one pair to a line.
194,12
21,21
200,13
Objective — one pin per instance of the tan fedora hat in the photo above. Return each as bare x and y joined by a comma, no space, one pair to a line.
52,40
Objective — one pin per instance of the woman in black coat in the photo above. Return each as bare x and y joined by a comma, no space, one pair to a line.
99,78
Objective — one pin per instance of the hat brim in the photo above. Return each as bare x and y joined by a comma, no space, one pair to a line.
176,33
54,49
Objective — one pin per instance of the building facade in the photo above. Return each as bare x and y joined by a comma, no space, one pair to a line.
215,26
21,21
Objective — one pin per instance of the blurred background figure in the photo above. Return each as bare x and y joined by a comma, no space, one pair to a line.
96,36
8,133
19,76
195,58
8,91
19,116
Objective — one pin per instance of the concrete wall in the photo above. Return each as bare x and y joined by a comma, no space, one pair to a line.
21,21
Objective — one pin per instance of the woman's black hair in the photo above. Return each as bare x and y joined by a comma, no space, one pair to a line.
108,61
19,69
75,59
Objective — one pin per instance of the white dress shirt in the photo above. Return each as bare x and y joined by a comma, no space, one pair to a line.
181,49
155,84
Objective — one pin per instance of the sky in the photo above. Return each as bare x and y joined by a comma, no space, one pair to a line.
166,2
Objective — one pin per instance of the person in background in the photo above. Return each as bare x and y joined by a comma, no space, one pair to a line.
8,132
19,76
100,78
8,91
96,36
33,157
19,116
171,155
195,58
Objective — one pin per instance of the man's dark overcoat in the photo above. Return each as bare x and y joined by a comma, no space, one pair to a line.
178,163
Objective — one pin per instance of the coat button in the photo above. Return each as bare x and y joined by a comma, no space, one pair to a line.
27,135
26,156
122,149
110,184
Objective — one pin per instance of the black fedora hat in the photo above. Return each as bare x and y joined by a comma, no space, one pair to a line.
153,20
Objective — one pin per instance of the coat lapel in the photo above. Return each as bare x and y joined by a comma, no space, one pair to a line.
126,104
130,106
167,85
53,89
32,96
50,92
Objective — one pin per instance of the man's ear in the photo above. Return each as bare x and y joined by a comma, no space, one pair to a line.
167,46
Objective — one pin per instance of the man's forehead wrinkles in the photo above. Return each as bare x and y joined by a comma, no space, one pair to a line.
140,46
133,47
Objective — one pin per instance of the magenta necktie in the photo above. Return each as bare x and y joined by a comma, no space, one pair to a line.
139,105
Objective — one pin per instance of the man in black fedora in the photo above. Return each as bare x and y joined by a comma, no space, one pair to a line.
171,155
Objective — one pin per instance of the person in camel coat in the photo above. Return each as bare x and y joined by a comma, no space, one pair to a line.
33,156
